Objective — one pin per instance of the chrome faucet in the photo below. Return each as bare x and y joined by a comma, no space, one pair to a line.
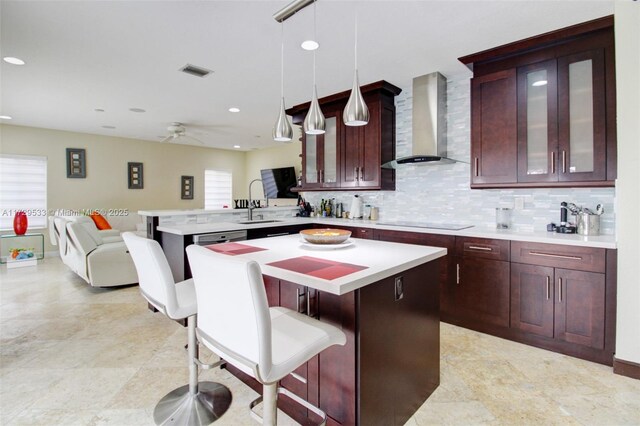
250,208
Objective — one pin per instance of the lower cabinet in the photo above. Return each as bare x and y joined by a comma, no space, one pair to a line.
274,231
356,232
562,304
482,292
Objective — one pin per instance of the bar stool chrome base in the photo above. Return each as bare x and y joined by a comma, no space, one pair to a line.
181,407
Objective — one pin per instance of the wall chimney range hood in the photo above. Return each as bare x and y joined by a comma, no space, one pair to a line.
429,118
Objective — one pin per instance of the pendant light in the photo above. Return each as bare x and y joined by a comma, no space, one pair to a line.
356,112
314,123
282,132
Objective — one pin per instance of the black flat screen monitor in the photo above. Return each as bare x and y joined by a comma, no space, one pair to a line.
277,183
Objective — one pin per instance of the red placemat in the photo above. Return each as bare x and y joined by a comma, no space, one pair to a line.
320,268
234,249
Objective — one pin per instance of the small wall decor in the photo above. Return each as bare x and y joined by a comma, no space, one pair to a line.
186,185
76,163
135,176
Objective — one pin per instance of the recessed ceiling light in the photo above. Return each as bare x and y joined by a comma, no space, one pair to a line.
6,117
108,127
236,146
539,83
234,109
13,61
309,45
137,110
98,110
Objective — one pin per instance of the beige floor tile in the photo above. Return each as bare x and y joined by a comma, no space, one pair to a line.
100,357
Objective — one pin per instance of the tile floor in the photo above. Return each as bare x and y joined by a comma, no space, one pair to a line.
76,355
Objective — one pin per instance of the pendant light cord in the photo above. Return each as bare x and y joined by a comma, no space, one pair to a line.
281,60
356,42
315,37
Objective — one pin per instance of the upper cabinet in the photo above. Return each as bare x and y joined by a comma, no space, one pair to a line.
543,110
346,157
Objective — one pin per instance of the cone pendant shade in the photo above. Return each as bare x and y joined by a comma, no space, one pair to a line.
356,112
314,123
282,132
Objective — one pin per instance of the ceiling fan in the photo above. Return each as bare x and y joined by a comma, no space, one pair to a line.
177,132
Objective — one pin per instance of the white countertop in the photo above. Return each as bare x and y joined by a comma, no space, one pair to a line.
601,241
382,259
164,213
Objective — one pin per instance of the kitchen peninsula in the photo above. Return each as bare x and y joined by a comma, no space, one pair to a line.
384,296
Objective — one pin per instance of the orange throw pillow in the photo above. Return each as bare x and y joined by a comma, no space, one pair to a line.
100,221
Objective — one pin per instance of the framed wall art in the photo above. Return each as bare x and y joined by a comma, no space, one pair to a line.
76,163
186,187
135,176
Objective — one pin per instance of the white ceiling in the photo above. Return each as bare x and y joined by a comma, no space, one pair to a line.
116,55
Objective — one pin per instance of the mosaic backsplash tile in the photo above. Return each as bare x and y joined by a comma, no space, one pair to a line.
440,193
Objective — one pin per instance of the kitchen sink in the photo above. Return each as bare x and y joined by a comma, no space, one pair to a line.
250,222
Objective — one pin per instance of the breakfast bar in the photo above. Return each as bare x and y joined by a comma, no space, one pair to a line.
384,296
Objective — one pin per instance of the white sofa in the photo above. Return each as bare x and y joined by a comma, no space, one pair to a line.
101,258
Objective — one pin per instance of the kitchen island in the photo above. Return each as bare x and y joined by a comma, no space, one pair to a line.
384,296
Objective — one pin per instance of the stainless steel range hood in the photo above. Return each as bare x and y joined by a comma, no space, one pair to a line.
429,117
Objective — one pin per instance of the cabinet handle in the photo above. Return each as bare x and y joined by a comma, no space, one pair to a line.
553,162
560,288
457,273
279,234
480,248
321,176
475,164
361,174
298,377
311,306
355,174
301,300
559,256
564,161
548,287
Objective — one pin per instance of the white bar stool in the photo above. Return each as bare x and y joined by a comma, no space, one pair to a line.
235,322
198,403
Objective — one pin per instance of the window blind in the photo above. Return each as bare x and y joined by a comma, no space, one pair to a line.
23,186
217,189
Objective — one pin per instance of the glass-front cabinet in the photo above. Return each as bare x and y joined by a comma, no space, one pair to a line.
561,119
320,162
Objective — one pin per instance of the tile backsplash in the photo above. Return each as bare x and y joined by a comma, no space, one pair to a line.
440,192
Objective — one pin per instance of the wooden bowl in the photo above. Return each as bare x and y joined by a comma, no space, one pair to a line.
325,236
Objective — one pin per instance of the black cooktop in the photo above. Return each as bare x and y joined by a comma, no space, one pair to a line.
447,226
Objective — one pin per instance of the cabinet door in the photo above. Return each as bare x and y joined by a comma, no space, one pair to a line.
369,149
311,154
494,128
532,299
321,155
580,308
582,116
361,152
537,123
482,291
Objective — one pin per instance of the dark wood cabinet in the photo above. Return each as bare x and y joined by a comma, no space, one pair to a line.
348,157
447,266
356,232
482,291
321,154
562,304
493,128
543,110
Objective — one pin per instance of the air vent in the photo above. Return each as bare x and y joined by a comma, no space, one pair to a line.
194,70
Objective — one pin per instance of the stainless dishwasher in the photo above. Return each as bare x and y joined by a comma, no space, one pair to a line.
219,237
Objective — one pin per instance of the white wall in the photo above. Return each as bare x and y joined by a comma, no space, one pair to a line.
627,24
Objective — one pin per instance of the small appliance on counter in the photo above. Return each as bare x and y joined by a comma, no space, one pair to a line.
587,222
356,208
